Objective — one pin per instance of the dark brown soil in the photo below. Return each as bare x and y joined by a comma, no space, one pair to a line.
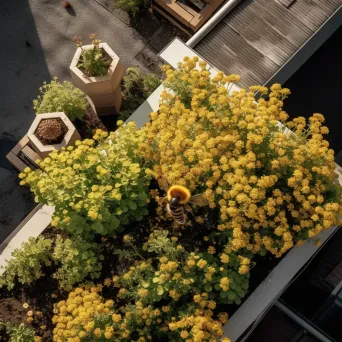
55,141
90,122
38,297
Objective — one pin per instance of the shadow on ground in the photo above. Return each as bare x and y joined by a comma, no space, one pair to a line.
23,68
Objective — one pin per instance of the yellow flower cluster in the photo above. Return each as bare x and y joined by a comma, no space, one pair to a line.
200,326
97,185
272,180
75,317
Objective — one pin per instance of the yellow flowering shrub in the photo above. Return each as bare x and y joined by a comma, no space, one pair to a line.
87,316
97,186
176,275
273,180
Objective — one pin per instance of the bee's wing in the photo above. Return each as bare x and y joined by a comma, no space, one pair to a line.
163,183
198,200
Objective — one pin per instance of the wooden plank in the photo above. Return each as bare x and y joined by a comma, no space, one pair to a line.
30,154
181,14
215,3
188,9
285,3
274,16
198,3
204,15
172,20
16,161
314,13
268,41
230,52
21,144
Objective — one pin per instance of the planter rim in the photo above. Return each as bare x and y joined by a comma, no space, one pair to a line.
92,79
56,115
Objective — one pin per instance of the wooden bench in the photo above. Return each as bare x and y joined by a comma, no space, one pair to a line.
187,14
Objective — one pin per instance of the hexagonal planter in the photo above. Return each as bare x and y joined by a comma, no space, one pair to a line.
68,137
104,91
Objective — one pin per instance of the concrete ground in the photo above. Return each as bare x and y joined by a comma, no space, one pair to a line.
36,45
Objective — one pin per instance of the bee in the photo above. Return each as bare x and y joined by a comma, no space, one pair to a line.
177,197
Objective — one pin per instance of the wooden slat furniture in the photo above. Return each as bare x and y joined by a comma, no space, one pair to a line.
22,155
186,14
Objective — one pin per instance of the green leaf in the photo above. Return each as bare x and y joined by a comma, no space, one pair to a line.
217,287
145,284
231,295
244,285
132,205
142,196
207,288
232,285
98,227
241,294
160,290
223,294
237,301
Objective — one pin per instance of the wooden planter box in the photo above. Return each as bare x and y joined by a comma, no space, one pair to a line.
187,15
22,155
104,91
69,138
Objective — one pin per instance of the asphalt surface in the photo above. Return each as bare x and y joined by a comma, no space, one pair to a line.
36,45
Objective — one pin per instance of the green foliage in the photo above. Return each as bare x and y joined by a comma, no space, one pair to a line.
61,97
170,272
18,333
136,89
27,262
131,6
78,259
74,258
97,187
93,62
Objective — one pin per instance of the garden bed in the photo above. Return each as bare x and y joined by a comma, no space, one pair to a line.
160,232
45,292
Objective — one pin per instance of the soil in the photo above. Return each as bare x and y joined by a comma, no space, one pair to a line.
55,141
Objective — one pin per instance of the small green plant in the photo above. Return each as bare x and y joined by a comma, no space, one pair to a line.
93,62
131,6
18,333
60,97
27,262
78,259
136,88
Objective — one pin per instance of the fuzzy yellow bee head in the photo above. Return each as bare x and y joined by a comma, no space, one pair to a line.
179,191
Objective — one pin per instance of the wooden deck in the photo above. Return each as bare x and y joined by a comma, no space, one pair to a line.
259,36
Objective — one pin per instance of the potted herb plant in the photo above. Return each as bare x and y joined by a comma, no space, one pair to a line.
97,70
64,97
50,132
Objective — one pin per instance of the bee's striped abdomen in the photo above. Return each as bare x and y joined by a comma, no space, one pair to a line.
177,214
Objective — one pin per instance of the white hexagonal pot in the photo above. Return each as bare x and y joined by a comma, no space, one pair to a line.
104,91
69,138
